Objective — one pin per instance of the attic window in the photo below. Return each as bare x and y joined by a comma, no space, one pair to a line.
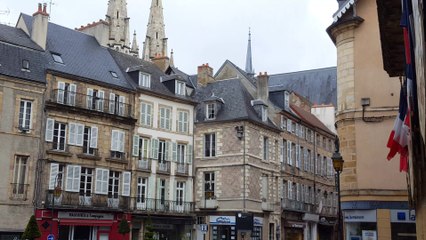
211,111
144,80
114,74
25,65
286,100
57,58
180,88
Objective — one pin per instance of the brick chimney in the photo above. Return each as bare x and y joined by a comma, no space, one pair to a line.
40,22
262,87
205,75
162,62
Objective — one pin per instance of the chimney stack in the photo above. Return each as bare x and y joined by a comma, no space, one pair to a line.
205,75
263,87
40,23
162,62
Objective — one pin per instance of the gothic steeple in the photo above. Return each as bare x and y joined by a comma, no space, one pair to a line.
119,37
155,44
135,48
249,63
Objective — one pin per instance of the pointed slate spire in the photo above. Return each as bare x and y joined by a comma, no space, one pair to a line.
119,36
135,48
156,42
249,63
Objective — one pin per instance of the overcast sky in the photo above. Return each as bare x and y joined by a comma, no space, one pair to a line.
287,35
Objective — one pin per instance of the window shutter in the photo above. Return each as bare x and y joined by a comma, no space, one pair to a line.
148,114
162,116
281,152
112,103
288,125
101,183
166,150
126,184
54,170
73,178
297,156
71,94
135,151
291,154
288,152
154,148
190,154
61,89
174,152
94,137
100,101
290,189
72,134
185,122
121,108
114,140
79,135
167,119
89,98
143,114
121,137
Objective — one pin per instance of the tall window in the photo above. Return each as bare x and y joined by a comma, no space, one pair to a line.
180,193
209,185
142,192
90,140
59,132
143,148
180,88
211,111
85,185
265,148
117,104
144,80
165,117
95,99
146,114
265,192
66,93
162,151
117,144
25,115
181,153
19,173
113,183
182,124
210,145
162,191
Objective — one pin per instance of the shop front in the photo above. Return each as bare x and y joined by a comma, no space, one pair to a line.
359,223
80,225
224,228
163,227
294,230
403,224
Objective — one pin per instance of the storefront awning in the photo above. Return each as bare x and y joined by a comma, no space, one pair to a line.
82,222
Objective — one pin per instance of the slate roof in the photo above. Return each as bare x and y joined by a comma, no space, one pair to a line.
16,46
82,56
187,78
310,118
133,64
237,102
317,85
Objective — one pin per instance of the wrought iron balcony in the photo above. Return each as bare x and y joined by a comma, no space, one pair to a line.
163,167
328,211
19,191
182,169
92,103
294,205
94,201
144,164
162,206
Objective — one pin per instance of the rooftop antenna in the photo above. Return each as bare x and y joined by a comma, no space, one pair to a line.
50,7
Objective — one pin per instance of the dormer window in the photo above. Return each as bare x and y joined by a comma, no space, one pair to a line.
25,65
144,80
57,58
211,111
286,100
180,88
114,74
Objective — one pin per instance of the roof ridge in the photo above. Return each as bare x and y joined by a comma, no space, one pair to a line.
304,71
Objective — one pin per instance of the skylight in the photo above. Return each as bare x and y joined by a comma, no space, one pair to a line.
114,74
57,58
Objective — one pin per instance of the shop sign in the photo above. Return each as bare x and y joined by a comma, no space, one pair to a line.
295,224
86,215
403,216
222,220
369,235
257,221
360,216
162,226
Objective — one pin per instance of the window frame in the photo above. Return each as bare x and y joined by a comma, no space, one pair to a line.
144,80
23,114
180,88
211,147
211,111
209,190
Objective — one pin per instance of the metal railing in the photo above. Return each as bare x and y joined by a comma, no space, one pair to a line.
144,164
290,204
72,200
329,211
164,206
91,103
19,191
163,167
182,168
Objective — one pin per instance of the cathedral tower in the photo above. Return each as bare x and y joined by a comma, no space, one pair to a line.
119,37
155,44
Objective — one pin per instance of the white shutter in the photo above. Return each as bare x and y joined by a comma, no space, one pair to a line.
100,101
79,135
190,155
281,152
143,114
185,122
89,98
71,94
111,103
73,178
167,119
166,151
291,154
50,124
288,125
114,140
61,90
290,189
121,141
174,152
122,101
297,156
101,182
288,152
94,137
154,148
126,184
135,151
72,133
148,114
54,170
162,118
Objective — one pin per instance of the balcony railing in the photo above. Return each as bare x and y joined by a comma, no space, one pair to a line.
294,205
328,211
91,103
73,200
164,167
144,164
182,169
19,191
164,206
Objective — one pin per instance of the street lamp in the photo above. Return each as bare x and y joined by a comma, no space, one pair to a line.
338,167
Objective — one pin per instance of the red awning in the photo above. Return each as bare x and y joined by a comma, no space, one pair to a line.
82,222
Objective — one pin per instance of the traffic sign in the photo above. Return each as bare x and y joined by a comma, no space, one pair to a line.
51,237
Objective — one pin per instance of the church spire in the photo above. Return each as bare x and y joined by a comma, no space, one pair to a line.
156,42
135,48
119,37
249,63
